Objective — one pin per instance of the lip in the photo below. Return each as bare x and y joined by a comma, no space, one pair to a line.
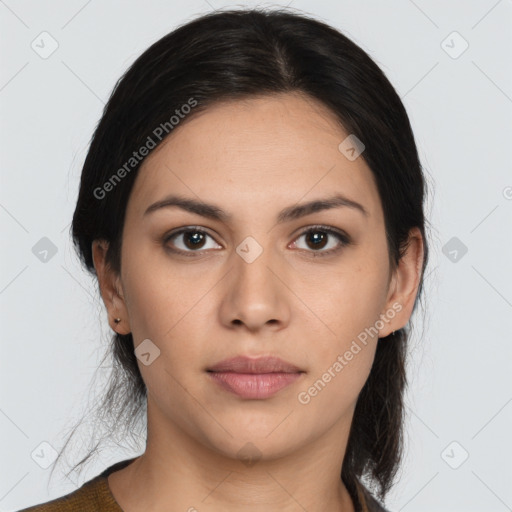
244,364
254,378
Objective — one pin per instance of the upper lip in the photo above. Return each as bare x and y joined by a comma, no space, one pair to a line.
244,364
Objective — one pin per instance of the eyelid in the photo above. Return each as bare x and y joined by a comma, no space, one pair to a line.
179,231
343,237
326,228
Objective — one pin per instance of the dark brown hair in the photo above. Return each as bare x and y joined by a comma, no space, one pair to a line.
238,54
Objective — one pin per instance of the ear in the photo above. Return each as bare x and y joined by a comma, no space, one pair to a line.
404,284
111,289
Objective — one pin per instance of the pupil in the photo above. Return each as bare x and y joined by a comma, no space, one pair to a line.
316,238
196,237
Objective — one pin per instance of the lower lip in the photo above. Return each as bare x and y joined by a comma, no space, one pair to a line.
254,385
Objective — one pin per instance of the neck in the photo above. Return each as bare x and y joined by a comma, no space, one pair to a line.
180,472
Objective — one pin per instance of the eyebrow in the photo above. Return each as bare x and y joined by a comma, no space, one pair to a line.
290,213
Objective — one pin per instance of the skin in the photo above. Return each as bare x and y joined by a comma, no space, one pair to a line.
251,158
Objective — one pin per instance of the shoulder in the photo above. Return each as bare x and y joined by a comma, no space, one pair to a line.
92,496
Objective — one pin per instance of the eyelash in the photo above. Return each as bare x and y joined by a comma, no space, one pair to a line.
344,239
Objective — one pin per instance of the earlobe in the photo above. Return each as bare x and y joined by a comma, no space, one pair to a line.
404,285
110,289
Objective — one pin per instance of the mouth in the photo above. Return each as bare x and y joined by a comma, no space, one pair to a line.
253,378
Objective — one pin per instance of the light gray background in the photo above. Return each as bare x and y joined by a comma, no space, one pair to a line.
53,326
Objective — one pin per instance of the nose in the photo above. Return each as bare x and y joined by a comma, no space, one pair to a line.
255,295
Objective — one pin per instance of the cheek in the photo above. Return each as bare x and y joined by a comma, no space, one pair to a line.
349,300
158,294
349,305
167,306
343,352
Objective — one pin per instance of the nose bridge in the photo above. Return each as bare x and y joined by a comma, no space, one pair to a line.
252,264
255,295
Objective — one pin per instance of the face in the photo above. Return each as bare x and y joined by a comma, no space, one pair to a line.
256,275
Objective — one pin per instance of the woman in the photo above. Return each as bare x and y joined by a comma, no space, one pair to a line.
252,207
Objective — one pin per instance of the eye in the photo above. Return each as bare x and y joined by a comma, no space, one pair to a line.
318,239
193,239
187,240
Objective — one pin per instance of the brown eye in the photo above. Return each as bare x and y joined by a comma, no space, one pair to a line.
188,240
317,238
193,239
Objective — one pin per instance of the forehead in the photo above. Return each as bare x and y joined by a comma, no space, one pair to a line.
258,151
